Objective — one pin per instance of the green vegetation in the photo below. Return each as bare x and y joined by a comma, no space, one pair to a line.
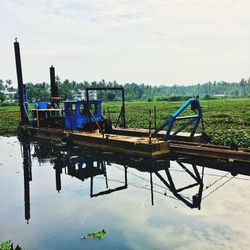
226,120
95,235
8,245
9,119
134,91
2,97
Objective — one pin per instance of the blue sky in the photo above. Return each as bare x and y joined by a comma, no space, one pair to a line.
151,41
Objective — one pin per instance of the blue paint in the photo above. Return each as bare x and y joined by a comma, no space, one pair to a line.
195,105
42,105
77,115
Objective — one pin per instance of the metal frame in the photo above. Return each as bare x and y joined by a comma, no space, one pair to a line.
197,198
193,119
122,113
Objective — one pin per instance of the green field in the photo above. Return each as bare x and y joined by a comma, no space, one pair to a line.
226,121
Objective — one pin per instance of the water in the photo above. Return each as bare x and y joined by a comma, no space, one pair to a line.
46,201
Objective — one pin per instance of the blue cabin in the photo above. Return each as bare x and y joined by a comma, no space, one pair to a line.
77,113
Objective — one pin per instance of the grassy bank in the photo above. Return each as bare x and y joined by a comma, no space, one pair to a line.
9,119
226,120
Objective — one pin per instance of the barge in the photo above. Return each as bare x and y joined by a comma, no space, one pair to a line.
81,122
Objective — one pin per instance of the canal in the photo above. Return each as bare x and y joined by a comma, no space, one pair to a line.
53,194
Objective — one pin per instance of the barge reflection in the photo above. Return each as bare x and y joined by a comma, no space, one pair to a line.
84,163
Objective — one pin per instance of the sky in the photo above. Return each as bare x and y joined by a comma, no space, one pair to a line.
144,41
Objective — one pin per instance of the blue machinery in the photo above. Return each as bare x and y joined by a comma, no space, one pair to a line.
193,120
79,113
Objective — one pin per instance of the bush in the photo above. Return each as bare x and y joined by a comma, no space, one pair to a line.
173,98
8,104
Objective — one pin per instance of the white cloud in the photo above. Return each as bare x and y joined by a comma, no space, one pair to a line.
151,41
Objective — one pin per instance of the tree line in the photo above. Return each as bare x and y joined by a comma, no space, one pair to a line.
133,91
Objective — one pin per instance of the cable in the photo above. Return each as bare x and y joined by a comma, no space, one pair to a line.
221,177
216,175
142,187
155,184
158,185
217,188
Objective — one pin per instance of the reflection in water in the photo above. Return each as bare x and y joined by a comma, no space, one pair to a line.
27,175
85,163
169,182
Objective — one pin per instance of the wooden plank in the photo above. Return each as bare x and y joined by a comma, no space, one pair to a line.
116,143
210,151
182,136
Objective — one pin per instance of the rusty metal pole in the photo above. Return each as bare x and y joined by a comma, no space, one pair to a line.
123,109
149,127
24,119
109,115
202,124
154,117
88,106
53,86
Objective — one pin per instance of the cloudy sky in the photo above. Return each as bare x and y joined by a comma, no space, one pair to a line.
150,41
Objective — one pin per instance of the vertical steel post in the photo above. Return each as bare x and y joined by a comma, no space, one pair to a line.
87,98
149,127
202,124
152,189
109,118
53,86
24,119
154,117
123,109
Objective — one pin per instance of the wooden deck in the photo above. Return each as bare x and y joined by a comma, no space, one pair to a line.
182,136
131,145
135,142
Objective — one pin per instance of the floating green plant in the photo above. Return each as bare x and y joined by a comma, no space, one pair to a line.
8,245
95,235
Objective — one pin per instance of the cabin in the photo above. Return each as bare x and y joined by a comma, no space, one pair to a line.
79,113
75,115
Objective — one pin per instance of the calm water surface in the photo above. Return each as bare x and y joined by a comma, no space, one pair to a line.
50,199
